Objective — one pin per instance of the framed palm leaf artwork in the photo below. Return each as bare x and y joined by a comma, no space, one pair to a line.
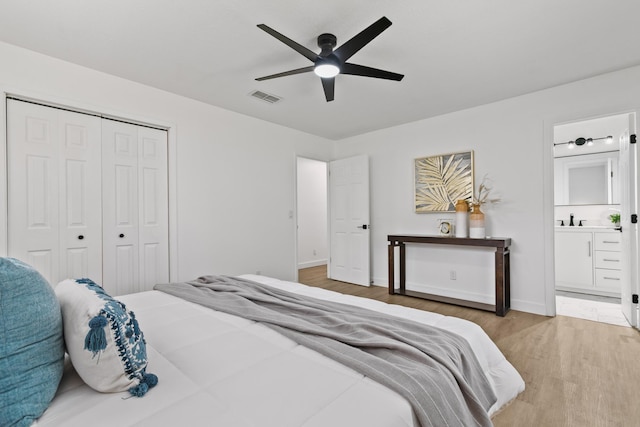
440,181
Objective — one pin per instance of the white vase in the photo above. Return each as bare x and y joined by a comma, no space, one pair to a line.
462,219
476,223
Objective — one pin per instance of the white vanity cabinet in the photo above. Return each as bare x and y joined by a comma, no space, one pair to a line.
574,260
588,260
608,261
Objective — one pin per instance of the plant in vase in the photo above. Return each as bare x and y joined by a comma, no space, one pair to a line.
615,219
477,218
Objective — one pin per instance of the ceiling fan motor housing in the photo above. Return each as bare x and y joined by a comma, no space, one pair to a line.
327,42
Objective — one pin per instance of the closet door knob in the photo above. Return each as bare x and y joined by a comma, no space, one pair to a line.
80,237
121,235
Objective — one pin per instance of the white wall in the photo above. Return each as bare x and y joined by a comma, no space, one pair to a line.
312,213
512,142
234,175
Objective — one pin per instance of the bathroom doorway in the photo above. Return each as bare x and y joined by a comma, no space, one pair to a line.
590,250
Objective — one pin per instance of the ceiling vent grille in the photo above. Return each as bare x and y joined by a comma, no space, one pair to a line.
271,99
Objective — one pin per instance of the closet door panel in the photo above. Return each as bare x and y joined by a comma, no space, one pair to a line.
154,220
32,169
120,207
54,190
80,195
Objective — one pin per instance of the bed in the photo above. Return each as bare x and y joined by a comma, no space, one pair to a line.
215,368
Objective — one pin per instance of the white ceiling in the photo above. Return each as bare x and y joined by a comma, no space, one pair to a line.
455,54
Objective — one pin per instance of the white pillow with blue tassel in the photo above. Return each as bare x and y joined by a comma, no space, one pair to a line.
103,339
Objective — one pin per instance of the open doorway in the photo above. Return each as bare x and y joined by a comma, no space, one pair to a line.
312,211
588,202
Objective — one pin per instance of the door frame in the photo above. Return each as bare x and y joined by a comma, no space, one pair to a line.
94,109
548,192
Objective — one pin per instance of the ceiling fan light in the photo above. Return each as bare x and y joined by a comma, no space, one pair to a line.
326,70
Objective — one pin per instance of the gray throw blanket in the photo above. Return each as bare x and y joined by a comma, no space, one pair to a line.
435,370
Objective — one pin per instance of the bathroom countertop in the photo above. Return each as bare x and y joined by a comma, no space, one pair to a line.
585,228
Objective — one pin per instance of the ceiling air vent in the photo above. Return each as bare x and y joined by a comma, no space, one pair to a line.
271,99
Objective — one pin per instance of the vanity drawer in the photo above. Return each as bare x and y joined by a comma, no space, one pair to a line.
609,260
607,241
608,279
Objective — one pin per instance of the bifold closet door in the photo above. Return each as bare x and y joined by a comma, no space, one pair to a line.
53,167
135,207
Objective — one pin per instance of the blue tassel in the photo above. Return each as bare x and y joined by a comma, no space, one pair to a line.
150,379
139,390
147,382
96,339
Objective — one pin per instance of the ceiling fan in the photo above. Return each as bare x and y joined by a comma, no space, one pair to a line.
329,63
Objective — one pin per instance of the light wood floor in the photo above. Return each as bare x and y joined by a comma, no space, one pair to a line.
577,372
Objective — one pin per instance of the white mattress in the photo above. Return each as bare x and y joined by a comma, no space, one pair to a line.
219,369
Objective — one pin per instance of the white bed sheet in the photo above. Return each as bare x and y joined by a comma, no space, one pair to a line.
219,369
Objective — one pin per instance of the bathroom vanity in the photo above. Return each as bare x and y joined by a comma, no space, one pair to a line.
588,260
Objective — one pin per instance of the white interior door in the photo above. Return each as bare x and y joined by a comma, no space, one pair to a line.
54,190
80,195
629,205
153,215
135,215
349,220
120,214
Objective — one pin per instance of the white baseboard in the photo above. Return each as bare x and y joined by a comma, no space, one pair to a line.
312,263
519,305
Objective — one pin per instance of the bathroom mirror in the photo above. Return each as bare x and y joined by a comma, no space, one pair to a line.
587,179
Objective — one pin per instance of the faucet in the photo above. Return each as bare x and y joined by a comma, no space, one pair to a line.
571,224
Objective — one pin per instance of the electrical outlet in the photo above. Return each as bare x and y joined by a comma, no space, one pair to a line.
452,275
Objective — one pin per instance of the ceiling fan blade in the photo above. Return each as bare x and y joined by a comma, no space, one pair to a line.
287,73
328,84
309,54
361,70
350,47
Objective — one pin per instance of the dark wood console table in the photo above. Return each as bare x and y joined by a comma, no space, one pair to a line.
502,273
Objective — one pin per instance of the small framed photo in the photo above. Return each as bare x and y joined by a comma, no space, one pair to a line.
445,227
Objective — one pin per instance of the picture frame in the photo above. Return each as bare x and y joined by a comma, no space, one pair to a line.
441,180
445,227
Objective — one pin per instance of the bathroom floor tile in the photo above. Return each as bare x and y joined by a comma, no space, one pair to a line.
597,309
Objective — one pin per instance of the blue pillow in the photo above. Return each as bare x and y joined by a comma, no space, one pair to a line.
31,343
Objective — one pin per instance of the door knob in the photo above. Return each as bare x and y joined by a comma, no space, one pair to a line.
121,235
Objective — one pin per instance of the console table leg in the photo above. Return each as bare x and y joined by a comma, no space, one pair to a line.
392,275
403,268
502,282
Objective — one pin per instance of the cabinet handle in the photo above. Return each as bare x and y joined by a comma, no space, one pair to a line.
589,248
121,235
80,237
610,278
609,241
611,260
